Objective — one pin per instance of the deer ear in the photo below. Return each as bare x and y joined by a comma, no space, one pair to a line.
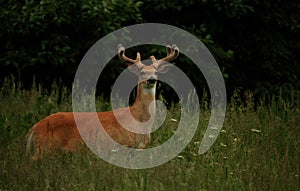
164,68
133,68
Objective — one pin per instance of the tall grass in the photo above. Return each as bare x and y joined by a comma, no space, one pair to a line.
258,148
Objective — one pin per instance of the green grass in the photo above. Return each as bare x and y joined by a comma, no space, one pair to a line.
258,149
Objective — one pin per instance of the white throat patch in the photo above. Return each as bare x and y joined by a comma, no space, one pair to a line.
149,91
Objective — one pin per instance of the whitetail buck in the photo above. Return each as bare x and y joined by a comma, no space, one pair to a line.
59,131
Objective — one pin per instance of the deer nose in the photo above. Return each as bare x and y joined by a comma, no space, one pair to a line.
151,80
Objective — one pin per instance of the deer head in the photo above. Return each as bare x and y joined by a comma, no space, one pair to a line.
148,75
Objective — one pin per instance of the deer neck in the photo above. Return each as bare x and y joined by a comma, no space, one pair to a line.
144,104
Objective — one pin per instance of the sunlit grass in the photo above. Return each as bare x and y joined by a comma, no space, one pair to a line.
257,149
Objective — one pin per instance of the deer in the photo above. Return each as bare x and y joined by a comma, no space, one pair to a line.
59,130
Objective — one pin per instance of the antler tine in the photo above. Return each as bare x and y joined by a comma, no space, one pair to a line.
172,53
169,49
121,54
176,50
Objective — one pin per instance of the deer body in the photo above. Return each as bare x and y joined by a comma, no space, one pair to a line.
59,130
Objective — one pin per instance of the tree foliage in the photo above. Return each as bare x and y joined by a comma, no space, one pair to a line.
255,42
46,37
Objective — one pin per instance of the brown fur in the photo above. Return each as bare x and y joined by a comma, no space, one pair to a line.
59,130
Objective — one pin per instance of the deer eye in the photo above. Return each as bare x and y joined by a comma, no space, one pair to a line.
142,72
156,72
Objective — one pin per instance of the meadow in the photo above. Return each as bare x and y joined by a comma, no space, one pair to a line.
257,149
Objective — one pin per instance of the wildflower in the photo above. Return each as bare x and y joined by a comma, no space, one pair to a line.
256,130
197,142
211,136
180,156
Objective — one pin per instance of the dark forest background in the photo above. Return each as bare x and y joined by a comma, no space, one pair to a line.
256,43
